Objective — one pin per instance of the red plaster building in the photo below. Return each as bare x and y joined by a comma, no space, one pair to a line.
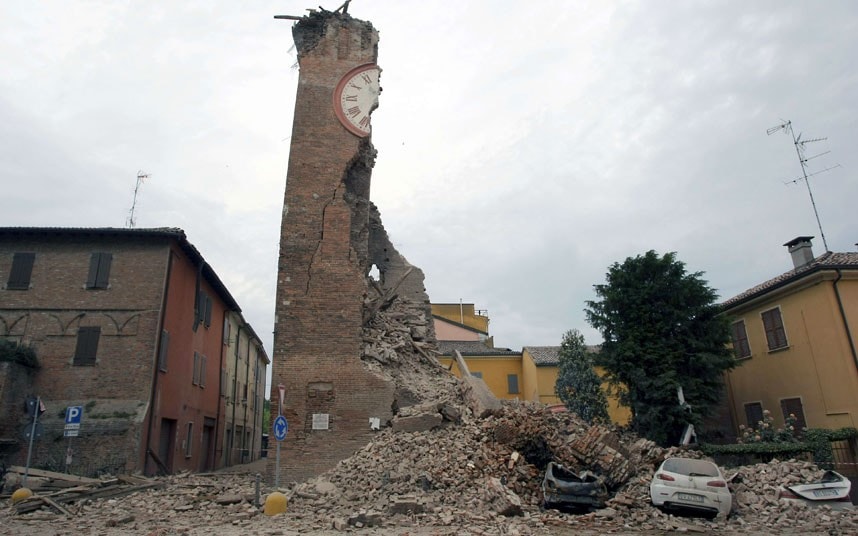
127,324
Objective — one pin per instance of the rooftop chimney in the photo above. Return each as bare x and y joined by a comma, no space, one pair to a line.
801,250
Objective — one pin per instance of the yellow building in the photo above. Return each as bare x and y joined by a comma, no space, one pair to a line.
526,375
794,337
500,368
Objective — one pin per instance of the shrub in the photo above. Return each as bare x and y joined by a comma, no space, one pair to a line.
18,353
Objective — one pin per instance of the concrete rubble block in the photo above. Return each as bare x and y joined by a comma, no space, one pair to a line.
408,504
479,398
451,413
500,499
366,518
417,423
228,499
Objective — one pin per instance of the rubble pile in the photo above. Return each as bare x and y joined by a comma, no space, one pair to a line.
397,346
459,478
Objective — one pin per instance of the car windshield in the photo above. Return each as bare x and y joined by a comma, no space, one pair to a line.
685,466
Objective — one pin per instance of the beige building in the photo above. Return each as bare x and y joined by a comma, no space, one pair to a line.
243,389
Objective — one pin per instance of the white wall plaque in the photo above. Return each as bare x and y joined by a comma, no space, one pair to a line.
320,421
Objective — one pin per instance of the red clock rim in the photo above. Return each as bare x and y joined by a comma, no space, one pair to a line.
338,91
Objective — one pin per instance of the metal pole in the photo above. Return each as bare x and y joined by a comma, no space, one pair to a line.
32,437
277,455
256,498
68,454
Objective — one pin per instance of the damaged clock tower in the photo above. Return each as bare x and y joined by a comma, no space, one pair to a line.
331,237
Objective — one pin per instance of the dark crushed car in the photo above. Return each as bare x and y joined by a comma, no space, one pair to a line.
563,489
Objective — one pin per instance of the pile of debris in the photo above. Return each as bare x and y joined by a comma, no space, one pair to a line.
477,476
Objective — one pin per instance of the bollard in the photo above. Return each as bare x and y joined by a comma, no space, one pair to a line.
256,498
275,504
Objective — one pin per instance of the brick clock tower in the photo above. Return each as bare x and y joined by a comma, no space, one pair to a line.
330,397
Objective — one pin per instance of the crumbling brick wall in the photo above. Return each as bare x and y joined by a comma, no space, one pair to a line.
331,236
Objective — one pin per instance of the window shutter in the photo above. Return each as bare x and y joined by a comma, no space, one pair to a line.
740,340
203,361
162,351
794,406
754,414
208,317
99,270
512,383
93,270
775,333
22,269
104,261
87,345
196,379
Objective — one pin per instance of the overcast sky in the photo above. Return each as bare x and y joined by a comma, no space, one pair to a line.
523,147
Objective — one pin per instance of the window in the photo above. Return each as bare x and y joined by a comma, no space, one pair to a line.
227,328
774,325
740,340
512,383
203,361
754,414
793,406
196,379
223,380
189,440
203,310
99,270
22,269
477,375
162,351
87,345
208,316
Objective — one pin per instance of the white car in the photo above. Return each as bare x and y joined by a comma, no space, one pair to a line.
692,485
832,490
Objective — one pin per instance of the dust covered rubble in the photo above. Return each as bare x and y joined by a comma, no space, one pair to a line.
449,477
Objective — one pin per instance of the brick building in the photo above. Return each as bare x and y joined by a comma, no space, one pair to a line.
127,323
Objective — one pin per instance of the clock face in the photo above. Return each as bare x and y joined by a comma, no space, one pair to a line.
356,96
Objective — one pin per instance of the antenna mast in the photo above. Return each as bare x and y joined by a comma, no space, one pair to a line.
140,178
802,159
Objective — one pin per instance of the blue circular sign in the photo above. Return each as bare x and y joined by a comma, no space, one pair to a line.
280,428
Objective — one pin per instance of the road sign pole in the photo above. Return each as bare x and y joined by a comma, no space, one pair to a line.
277,468
32,437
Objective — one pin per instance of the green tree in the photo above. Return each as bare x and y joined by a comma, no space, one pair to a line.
578,385
662,330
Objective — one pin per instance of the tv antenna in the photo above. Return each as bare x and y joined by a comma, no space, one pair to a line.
802,159
141,176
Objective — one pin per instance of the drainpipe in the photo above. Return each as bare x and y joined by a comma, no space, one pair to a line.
843,316
235,389
156,369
